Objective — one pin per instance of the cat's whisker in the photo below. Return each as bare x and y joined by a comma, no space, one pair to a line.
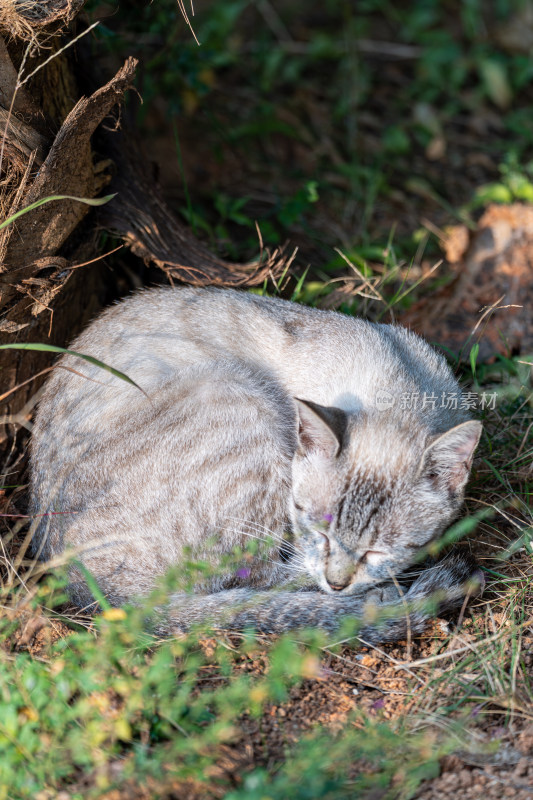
294,563
245,533
294,567
259,528
287,545
294,554
285,565
275,535
238,532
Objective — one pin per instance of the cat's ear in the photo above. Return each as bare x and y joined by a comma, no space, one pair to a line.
449,456
321,429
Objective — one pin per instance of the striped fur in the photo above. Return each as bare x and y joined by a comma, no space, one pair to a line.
259,421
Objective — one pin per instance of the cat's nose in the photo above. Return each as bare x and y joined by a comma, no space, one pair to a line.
337,587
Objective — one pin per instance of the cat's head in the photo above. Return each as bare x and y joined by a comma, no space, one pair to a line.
368,494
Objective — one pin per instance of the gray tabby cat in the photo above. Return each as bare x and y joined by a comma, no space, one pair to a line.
265,419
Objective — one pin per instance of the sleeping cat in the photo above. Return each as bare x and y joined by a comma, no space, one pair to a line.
319,435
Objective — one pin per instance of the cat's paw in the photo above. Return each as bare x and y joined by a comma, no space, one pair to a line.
384,593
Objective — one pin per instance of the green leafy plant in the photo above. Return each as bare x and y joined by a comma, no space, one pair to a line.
119,705
516,184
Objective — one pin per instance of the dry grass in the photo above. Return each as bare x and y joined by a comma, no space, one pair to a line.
16,18
24,20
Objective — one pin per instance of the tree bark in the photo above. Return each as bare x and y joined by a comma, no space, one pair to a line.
47,131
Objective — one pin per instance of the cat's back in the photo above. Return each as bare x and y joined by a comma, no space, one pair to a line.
331,358
155,331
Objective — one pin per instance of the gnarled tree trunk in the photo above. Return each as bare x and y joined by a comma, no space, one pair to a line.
47,131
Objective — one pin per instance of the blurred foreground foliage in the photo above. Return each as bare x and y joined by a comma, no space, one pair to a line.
115,708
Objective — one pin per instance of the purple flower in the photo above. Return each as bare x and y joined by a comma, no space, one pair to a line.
243,572
377,704
328,517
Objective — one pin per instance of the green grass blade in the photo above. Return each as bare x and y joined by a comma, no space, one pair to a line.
50,348
299,285
94,201
183,178
473,358
495,472
456,532
93,585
